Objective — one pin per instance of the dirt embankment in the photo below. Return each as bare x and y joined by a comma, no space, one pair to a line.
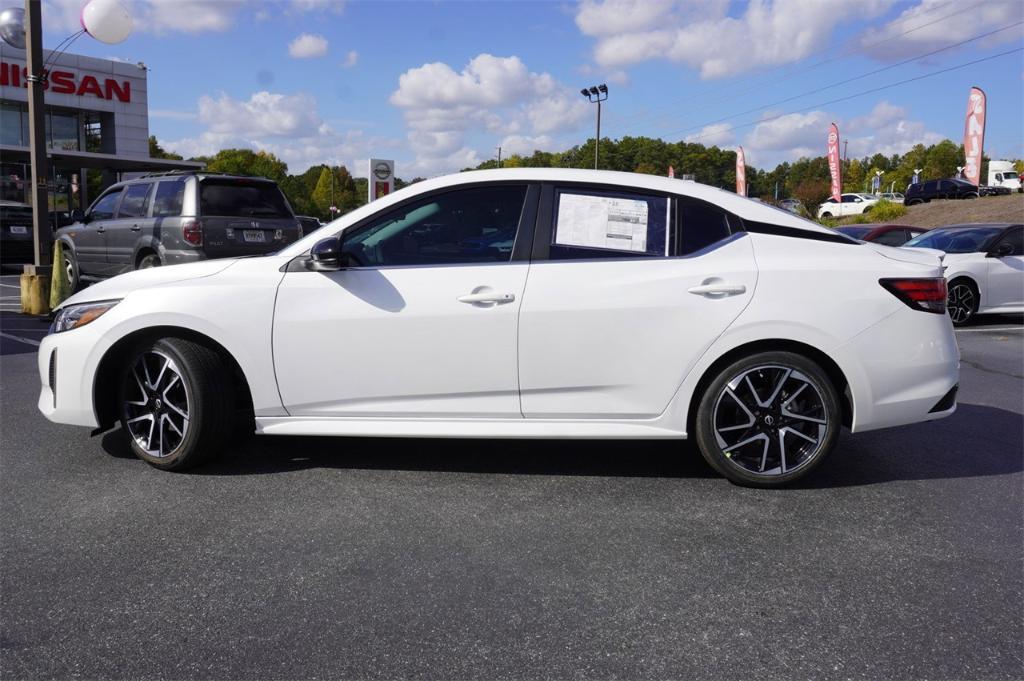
986,209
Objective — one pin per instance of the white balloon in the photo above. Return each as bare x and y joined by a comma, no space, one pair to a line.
107,21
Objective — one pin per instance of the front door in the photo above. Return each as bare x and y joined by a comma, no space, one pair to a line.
90,238
425,325
623,300
1006,273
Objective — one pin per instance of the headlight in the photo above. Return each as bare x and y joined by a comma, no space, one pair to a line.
74,316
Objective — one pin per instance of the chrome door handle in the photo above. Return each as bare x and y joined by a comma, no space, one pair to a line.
135,228
718,289
487,297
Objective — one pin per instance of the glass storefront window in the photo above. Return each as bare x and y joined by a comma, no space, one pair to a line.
63,131
10,125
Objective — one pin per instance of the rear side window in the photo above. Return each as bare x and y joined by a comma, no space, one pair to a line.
170,196
239,198
1016,239
104,207
700,225
594,224
135,203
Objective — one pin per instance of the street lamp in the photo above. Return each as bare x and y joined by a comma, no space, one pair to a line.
595,95
876,184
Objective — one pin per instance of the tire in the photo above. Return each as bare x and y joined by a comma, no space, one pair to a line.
185,389
866,210
801,411
71,267
962,301
970,195
147,261
826,214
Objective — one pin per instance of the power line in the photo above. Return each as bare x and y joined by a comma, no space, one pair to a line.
850,80
858,94
848,52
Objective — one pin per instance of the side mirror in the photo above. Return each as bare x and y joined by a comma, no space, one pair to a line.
1001,250
325,256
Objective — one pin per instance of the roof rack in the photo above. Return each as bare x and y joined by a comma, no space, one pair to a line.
191,171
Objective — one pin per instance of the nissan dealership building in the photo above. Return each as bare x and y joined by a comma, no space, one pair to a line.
97,127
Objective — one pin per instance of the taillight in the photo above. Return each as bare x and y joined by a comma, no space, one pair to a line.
921,294
192,231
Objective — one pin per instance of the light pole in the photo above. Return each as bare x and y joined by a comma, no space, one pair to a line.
876,184
595,95
499,157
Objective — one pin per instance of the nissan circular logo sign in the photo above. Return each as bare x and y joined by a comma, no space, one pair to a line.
382,171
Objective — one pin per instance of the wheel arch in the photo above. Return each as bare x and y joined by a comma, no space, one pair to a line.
828,365
105,388
970,278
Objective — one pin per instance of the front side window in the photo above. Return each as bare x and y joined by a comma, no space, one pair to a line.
135,203
474,225
1016,240
850,198
104,207
594,224
170,195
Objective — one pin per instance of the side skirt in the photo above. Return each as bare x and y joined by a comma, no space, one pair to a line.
466,428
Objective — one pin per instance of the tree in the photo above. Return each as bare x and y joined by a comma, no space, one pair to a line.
156,151
249,162
812,193
324,193
942,161
853,179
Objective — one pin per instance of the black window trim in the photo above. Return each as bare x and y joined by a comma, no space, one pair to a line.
520,248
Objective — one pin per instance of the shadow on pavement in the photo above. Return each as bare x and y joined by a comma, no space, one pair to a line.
976,441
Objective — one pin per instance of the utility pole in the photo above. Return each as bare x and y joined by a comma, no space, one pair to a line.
499,157
845,157
36,277
596,95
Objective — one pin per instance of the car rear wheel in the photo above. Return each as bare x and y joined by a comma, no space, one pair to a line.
768,419
962,301
176,401
826,214
148,260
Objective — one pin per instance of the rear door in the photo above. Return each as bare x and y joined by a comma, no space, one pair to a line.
242,216
128,226
626,290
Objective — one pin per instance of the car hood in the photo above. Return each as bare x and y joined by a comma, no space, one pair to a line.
121,285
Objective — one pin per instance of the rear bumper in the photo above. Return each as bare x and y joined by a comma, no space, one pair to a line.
909,366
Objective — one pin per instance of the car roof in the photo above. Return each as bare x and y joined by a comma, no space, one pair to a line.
968,225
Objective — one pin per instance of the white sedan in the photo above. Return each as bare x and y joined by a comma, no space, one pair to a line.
851,204
984,267
522,303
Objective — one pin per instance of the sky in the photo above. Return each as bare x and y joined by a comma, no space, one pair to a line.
438,86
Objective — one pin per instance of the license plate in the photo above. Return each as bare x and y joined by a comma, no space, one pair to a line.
254,236
19,229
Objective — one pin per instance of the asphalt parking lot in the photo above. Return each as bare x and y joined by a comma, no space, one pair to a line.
304,558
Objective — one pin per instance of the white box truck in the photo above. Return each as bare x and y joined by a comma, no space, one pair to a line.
1002,174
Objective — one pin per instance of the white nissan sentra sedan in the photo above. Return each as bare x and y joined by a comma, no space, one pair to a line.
522,303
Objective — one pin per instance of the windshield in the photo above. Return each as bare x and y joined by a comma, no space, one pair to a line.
961,240
240,198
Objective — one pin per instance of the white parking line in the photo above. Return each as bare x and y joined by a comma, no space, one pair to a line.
20,339
991,328
10,286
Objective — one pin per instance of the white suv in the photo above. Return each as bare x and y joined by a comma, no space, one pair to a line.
852,204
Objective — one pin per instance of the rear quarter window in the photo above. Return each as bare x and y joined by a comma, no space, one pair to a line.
169,198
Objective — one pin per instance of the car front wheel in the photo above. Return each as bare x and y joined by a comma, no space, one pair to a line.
176,400
768,419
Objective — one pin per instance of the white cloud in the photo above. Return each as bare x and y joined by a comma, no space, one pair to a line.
308,46
265,114
716,134
351,59
524,145
173,115
704,36
153,16
336,6
499,95
920,38
886,129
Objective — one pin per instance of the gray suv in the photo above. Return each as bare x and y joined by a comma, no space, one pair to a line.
173,218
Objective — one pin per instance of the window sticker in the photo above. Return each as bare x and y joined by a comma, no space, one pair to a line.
602,222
